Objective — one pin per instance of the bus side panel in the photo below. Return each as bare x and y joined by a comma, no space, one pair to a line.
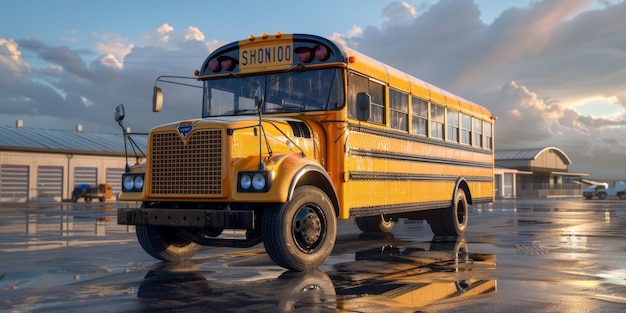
398,170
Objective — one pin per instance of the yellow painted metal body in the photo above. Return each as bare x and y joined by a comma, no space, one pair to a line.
369,165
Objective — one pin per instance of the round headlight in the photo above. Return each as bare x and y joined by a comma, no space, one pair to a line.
138,182
245,182
129,182
258,181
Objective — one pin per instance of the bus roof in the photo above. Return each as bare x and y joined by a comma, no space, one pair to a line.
283,51
397,79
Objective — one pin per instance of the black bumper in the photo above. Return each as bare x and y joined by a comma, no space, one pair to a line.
240,219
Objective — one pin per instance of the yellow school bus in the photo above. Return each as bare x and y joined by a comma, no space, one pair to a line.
296,132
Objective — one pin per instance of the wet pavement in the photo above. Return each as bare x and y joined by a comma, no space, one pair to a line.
524,255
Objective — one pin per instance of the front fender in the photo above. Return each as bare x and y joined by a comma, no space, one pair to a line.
291,171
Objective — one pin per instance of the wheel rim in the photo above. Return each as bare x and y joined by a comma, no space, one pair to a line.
308,228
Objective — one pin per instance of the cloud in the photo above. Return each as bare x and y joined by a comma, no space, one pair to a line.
193,33
11,62
58,87
114,47
532,67
398,14
166,37
164,31
346,39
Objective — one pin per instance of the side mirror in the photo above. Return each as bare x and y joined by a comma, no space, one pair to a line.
157,99
259,98
118,113
363,106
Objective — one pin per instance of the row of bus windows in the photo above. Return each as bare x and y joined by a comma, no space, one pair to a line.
444,124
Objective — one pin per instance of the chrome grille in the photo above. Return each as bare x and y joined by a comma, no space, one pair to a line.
194,168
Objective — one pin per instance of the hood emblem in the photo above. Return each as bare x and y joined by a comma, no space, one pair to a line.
185,128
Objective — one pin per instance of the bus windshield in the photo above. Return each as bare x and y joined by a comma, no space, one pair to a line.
293,91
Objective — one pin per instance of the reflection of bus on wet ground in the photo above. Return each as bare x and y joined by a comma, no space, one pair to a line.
387,278
406,278
296,132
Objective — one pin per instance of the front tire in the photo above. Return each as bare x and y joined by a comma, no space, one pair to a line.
300,234
164,244
375,224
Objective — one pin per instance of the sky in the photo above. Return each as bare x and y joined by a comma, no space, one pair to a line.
552,71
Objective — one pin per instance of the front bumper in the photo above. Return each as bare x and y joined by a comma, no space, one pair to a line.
239,219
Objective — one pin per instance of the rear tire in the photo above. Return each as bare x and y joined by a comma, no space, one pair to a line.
451,221
300,234
164,244
375,224
602,196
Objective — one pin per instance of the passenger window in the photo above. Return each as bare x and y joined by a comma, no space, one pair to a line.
420,116
452,134
466,129
488,135
358,83
477,131
399,108
436,121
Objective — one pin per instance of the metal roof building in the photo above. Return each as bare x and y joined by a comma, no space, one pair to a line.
535,172
531,154
45,165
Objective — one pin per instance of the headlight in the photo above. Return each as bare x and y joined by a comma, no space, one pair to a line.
132,182
253,182
245,182
258,181
138,182
128,182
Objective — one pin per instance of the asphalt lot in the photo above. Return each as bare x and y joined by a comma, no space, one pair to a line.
524,255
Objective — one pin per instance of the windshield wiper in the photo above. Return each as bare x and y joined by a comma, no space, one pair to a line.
236,112
290,107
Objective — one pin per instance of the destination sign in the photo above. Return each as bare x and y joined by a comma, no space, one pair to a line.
269,55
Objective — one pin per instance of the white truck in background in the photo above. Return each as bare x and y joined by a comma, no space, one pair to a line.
618,190
592,191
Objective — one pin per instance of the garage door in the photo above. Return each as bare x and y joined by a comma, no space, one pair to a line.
50,182
86,175
14,183
114,177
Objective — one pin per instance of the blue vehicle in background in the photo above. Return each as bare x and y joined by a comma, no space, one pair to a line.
87,192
